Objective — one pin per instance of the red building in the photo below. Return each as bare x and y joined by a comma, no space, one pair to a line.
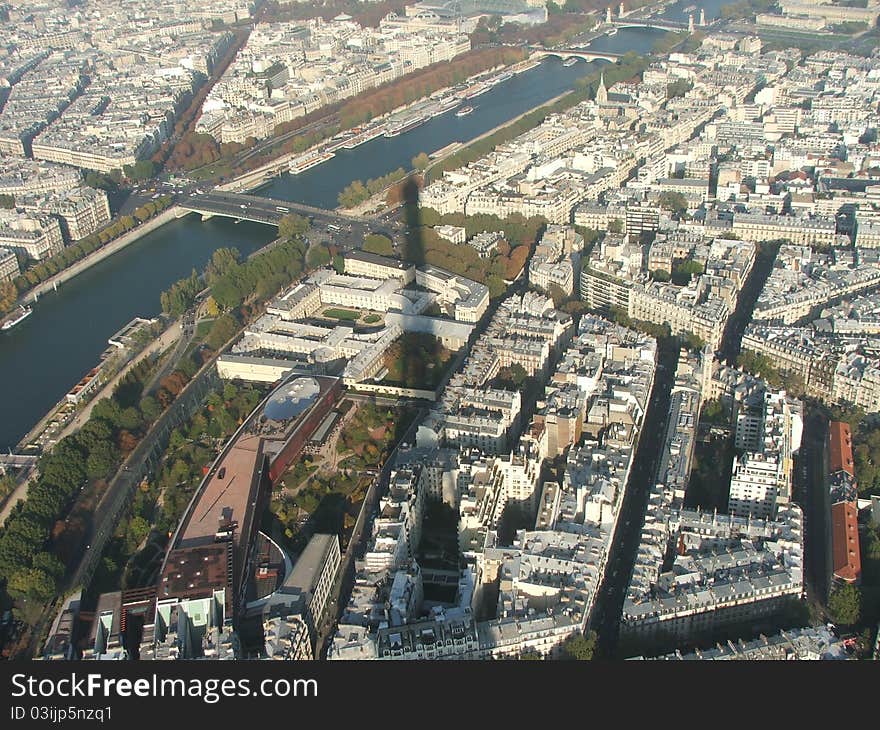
845,542
840,448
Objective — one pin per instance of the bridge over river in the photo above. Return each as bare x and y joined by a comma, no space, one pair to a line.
566,53
259,210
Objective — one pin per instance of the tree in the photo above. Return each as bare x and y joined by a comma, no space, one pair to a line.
292,226
674,202
102,459
8,296
138,529
180,297
101,181
49,564
497,286
660,275
317,257
421,161
212,309
558,296
758,364
130,419
31,583
713,411
514,375
690,267
693,342
7,201
845,605
615,226
150,408
532,656
223,260
106,409
680,87
579,647
140,170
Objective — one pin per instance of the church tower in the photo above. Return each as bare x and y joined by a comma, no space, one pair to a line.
602,92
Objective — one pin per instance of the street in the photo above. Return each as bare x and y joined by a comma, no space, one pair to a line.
814,497
609,601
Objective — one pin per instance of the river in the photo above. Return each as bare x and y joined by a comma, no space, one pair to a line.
44,356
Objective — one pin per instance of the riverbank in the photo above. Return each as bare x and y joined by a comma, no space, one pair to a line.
377,204
166,216
259,176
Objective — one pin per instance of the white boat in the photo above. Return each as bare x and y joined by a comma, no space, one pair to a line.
613,31
445,105
477,90
569,62
10,323
301,164
405,125
464,111
362,137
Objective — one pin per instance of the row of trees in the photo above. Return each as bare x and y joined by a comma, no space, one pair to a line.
33,532
757,363
75,252
233,282
357,192
183,127
866,451
558,29
260,277
425,82
181,294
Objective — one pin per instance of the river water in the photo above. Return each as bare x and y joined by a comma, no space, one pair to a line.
44,356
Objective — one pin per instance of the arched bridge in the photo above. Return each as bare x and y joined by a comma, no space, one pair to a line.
650,23
256,209
566,53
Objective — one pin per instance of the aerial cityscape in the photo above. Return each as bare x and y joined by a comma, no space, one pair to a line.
440,329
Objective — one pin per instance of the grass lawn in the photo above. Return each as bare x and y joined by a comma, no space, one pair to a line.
344,314
372,319
202,329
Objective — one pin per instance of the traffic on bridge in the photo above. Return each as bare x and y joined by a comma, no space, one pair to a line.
257,209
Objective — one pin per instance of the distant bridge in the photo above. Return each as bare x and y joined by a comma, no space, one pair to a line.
268,211
649,23
566,53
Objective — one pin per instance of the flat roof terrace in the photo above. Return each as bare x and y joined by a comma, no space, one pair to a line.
226,497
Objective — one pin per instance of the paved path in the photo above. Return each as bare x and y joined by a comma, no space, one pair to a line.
184,332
